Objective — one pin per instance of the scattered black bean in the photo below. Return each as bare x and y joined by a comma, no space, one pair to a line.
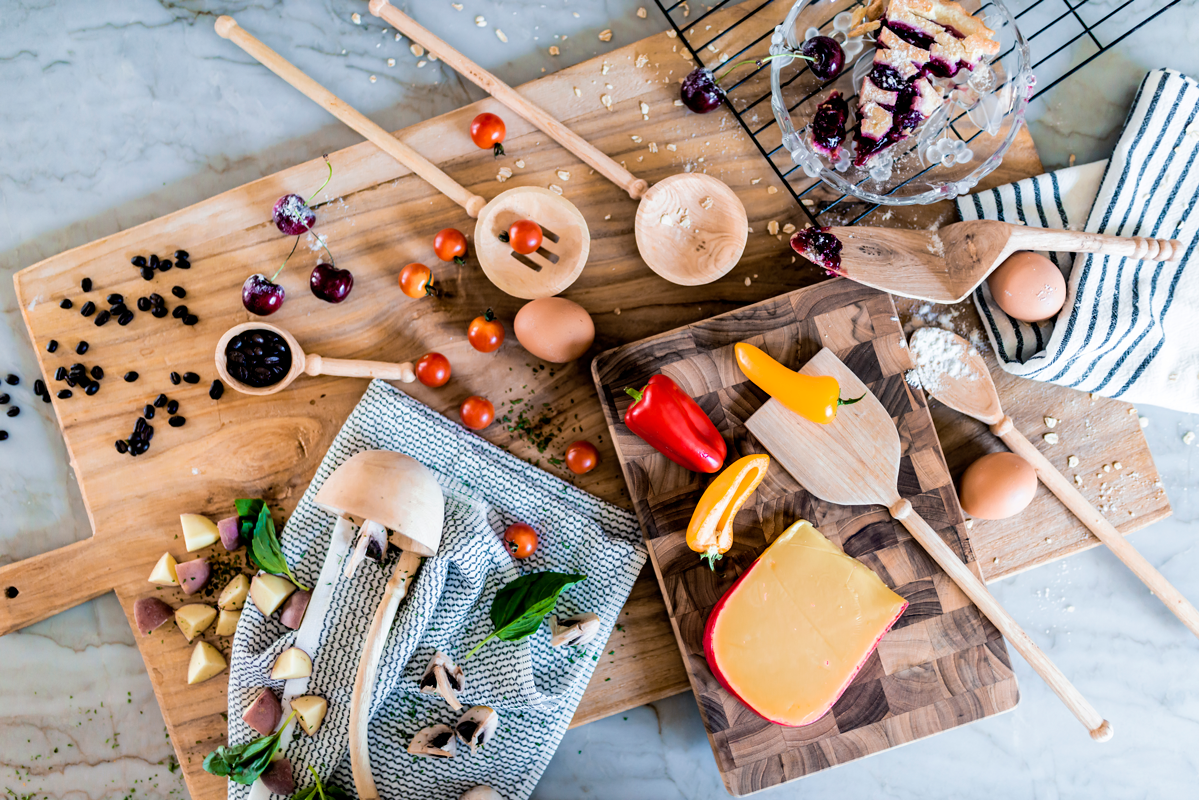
91,389
178,291
98,372
159,311
81,348
176,422
13,411
3,436
148,411
66,303
156,299
181,254
138,261
115,299
137,448
191,377
118,309
70,381
103,317
77,368
172,406
143,304
121,446
12,380
88,309
60,374
160,401
125,318
147,274
51,345
183,263
175,378
180,312
4,398
153,261
217,389
130,376
46,396
190,319
63,394
86,284
164,265
39,386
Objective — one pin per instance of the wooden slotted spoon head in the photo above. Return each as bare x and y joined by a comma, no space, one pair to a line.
855,461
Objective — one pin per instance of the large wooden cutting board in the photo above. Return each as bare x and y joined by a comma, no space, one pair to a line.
942,665
271,446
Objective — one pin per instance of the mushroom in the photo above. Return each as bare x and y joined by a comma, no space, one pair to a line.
481,793
435,741
573,630
445,678
477,726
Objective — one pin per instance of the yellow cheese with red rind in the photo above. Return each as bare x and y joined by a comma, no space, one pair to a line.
789,636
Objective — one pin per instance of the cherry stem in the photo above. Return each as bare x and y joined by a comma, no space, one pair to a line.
284,264
321,239
323,185
759,62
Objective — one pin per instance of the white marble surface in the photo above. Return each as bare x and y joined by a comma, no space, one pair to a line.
116,113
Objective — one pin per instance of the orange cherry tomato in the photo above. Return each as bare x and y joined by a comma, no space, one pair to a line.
450,245
521,540
486,333
581,457
476,412
433,369
524,236
488,131
416,280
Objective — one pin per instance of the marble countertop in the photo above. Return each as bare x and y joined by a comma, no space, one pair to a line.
117,113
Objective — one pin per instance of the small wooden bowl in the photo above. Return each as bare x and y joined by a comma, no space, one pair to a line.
550,270
691,228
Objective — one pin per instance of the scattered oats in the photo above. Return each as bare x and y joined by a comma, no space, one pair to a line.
456,6
499,34
748,281
356,18
504,174
398,37
1048,540
616,312
755,181
707,202
554,51
671,34
1050,438
421,63
969,524
373,79
555,188
1130,411
480,22
642,60
772,190
607,216
1107,467
1050,422
678,102
1072,461
432,56
684,220
604,68
1117,465
563,175
641,13
391,62
416,49
699,160
1078,480
520,163
671,147
1144,421
605,35
1188,437
607,101
644,110
995,561
653,147
666,220
636,139
788,228
772,227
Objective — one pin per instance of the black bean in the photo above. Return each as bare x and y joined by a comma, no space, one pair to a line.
86,284
138,261
3,436
160,401
174,422
70,381
60,374
181,254
147,274
65,303
4,398
139,427
180,312
125,318
98,372
130,376
153,261
190,319
164,265
46,397
77,367
159,311
175,379
63,394
39,386
14,410
172,406
191,377
118,309
103,317
121,446
137,448
81,348
52,345
88,309
178,291
12,380
148,411
217,389
155,299
114,298
143,304
91,389
183,263
83,380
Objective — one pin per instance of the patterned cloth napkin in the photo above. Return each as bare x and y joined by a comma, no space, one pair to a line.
1128,328
535,688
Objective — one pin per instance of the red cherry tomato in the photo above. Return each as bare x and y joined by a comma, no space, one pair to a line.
416,280
581,457
486,333
433,369
487,131
476,412
524,236
450,245
521,540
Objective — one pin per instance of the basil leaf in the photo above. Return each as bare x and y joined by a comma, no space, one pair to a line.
520,607
247,513
319,791
245,763
266,549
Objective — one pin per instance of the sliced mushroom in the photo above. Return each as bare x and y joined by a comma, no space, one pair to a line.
574,630
477,726
481,793
435,741
445,678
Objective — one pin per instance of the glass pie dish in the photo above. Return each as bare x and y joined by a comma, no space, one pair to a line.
945,155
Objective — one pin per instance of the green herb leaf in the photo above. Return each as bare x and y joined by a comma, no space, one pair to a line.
320,791
247,514
520,607
266,549
245,763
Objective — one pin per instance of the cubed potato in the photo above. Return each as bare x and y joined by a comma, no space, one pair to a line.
233,596
164,571
194,618
193,575
228,530
206,662
293,610
198,532
269,591
264,713
226,622
310,712
291,663
149,613
277,778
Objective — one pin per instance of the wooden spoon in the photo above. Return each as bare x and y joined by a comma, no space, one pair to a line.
308,363
567,241
691,228
954,372
946,265
854,461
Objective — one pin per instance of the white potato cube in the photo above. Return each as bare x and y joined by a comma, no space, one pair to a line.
194,618
269,591
164,571
198,532
233,596
310,712
291,663
206,662
226,622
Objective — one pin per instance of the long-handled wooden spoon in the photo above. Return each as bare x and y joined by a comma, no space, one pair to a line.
691,228
546,272
954,372
946,265
854,461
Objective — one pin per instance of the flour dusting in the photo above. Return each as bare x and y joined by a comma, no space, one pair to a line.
938,354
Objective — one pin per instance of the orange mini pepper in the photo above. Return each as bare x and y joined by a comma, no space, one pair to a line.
814,397
710,532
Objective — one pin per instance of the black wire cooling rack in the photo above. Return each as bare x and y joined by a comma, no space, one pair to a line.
1064,38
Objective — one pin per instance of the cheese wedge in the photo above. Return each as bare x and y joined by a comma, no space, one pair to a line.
790,635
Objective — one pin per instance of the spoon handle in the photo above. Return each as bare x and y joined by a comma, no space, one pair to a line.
357,368
1138,247
228,28
591,155
935,546
1098,524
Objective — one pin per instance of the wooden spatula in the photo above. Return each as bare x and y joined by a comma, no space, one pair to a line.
854,461
954,372
946,265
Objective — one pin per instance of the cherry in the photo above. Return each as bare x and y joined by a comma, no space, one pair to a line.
826,56
261,296
330,283
701,90
291,213
828,125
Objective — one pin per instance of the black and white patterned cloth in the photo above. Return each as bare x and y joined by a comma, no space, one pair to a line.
534,688
1128,328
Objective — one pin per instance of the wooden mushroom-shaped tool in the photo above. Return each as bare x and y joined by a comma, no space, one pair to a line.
854,461
691,228
952,371
544,273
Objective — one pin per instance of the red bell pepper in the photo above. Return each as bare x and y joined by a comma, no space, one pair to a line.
674,425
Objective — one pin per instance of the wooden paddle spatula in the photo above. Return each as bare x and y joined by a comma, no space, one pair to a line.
854,461
946,265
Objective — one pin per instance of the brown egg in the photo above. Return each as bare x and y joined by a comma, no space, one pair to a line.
1028,287
554,329
997,486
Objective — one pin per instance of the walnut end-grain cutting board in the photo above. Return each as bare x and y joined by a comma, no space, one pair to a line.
942,665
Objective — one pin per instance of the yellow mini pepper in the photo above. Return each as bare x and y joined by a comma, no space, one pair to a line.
710,532
814,397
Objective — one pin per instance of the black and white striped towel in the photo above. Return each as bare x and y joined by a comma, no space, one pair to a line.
535,688
1129,329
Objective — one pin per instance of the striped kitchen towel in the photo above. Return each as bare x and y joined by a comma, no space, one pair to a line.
1129,329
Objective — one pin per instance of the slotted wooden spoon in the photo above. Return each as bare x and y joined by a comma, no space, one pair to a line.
854,461
970,390
946,265
544,273
691,228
